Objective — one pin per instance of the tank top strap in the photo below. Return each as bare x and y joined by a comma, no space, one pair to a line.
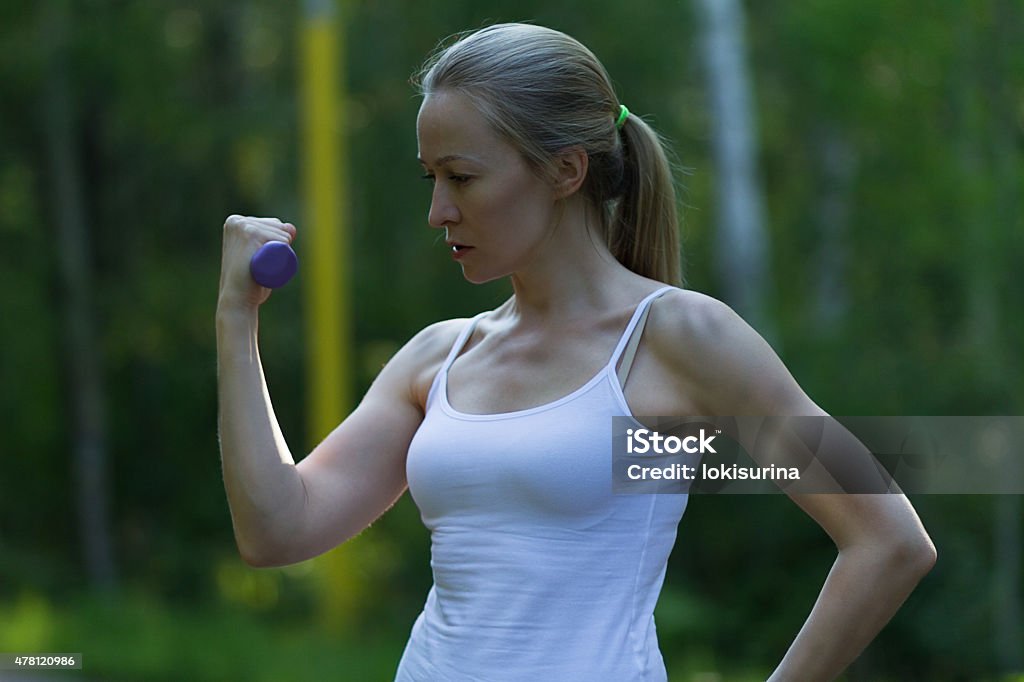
626,348
460,341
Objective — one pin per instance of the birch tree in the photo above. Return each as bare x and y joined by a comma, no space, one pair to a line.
741,243
85,392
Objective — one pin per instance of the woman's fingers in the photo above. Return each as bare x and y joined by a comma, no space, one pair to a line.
262,230
243,236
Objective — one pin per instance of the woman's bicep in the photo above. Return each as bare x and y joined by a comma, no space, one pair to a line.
358,471
882,521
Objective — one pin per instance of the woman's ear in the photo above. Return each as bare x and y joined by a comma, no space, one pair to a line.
571,170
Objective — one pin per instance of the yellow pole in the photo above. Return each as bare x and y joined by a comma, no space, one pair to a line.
325,258
324,243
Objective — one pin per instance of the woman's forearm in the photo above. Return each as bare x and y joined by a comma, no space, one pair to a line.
865,587
264,490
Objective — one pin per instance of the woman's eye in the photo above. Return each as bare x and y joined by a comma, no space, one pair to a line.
457,179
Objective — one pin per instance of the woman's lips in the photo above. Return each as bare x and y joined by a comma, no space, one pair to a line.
459,251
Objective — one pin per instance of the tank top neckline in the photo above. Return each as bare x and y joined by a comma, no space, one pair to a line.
607,371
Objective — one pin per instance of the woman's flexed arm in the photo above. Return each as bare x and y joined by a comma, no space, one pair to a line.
283,512
264,489
259,472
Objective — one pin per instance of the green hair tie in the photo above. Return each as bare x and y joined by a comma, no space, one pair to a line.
623,115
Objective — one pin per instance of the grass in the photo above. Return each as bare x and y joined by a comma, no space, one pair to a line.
135,638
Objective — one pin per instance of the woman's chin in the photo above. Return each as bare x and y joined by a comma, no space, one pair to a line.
477,276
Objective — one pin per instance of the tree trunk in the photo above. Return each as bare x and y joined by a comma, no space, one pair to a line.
837,164
85,392
987,156
741,250
1005,219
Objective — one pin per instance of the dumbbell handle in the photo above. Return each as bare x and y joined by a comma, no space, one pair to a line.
273,265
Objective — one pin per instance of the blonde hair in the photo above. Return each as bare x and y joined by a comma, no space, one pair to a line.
544,92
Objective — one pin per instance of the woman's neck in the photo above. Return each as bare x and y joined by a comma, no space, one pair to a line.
572,275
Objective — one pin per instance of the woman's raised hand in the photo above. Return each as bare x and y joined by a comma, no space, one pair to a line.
243,236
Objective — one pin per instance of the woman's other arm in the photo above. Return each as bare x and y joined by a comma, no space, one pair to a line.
883,549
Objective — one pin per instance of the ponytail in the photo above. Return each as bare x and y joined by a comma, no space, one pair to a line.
643,232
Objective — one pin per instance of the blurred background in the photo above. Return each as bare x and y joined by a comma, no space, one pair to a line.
851,172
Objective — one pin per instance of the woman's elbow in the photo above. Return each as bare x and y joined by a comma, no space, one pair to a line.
255,558
915,555
264,554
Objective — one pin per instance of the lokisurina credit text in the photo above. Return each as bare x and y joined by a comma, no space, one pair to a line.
714,472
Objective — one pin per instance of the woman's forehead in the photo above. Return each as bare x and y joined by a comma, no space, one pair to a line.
450,126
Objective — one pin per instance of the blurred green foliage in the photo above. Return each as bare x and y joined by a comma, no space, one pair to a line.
907,115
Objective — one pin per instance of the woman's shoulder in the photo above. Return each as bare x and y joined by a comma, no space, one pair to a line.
432,344
439,336
697,317
691,332
705,343
423,355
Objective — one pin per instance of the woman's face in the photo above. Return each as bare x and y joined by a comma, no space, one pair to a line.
495,211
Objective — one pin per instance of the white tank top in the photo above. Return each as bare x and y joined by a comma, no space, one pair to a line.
540,572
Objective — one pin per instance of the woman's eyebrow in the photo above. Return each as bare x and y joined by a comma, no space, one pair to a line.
445,159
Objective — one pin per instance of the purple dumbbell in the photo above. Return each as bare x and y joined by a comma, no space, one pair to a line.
273,265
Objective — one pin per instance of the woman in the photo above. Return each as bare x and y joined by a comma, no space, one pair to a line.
499,425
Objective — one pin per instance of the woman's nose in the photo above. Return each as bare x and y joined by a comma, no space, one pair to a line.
442,209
